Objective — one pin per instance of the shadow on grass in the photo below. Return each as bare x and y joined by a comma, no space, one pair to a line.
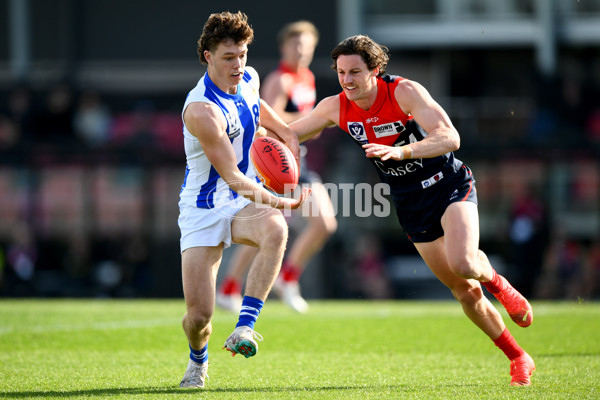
175,390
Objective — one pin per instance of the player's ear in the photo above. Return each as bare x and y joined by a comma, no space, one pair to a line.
376,71
207,56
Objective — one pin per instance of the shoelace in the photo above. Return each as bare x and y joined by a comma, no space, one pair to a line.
256,335
253,333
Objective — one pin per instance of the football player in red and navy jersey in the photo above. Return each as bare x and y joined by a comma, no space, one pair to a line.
410,140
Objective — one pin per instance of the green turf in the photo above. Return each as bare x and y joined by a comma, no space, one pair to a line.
109,349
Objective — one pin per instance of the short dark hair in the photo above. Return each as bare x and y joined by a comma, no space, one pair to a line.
221,27
372,53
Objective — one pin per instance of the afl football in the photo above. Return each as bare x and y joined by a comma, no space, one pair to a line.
274,164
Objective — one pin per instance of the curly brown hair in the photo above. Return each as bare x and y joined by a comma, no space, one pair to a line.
221,27
373,54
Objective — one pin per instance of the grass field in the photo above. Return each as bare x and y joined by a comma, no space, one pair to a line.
114,349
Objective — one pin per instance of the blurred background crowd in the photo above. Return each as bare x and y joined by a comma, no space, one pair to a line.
91,151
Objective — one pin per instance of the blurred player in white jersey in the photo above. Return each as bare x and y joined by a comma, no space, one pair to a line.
221,200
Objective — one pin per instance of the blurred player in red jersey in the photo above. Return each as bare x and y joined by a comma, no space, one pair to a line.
410,140
290,91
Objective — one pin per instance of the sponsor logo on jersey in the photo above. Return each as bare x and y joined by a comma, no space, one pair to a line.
389,129
391,168
433,180
357,130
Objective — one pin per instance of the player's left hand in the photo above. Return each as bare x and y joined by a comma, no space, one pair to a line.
384,152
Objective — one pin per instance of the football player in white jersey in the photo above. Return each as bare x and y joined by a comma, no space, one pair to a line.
221,200
290,90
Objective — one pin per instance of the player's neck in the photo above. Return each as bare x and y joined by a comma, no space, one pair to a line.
291,67
366,102
226,87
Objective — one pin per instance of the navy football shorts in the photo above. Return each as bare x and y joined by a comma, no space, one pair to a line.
420,213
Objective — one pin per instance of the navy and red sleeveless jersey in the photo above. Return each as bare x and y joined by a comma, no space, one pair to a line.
386,123
302,94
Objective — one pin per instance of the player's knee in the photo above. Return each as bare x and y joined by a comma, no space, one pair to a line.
468,294
464,267
275,233
483,259
199,320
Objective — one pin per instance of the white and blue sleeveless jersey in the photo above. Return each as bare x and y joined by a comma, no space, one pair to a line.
203,187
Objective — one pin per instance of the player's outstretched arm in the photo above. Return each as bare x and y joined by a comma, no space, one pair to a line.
324,115
207,123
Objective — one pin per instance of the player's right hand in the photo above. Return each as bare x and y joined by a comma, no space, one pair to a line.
292,203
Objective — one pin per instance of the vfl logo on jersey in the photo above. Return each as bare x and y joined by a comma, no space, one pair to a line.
389,129
357,130
234,126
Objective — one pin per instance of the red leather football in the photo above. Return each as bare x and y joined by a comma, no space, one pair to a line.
274,164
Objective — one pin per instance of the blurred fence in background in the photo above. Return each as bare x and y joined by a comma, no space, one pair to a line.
91,155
